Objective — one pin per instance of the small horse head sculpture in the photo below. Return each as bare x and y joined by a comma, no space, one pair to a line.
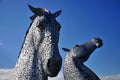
83,51
45,36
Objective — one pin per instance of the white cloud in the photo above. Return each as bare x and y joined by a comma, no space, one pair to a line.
112,77
6,73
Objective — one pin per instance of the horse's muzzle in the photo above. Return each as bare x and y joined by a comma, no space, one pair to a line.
54,67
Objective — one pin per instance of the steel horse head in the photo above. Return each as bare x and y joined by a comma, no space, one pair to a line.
39,56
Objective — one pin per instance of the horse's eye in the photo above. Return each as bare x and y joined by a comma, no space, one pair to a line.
41,26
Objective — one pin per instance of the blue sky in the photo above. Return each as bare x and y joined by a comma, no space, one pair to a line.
81,21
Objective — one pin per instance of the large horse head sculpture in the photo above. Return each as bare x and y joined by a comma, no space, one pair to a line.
39,56
46,37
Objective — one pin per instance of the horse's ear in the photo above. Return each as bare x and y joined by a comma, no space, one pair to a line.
56,14
65,49
36,11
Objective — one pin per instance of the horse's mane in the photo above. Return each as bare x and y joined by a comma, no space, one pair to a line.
25,38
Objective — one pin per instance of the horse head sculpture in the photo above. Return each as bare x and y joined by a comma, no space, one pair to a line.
46,37
74,69
39,56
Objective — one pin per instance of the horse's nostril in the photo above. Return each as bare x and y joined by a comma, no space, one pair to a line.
48,63
54,62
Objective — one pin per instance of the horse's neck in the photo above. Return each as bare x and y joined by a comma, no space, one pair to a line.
29,65
70,70
74,69
84,70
